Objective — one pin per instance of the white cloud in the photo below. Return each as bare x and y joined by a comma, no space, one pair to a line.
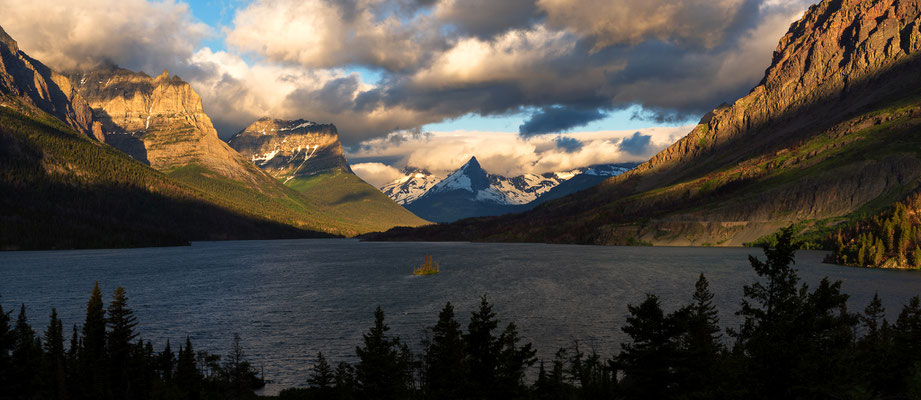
377,174
137,34
507,153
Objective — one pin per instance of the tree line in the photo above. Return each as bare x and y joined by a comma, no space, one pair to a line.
794,342
890,239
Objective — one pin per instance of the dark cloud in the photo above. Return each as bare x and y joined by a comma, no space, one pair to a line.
568,144
557,119
638,144
487,18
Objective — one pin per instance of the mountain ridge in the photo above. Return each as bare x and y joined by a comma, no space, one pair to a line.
825,135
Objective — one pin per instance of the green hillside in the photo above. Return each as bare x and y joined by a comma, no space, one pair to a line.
64,190
352,202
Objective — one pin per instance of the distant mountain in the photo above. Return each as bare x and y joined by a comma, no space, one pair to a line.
829,134
472,192
288,149
63,188
409,187
308,157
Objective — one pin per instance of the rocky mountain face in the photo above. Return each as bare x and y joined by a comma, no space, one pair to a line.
36,85
830,131
288,149
159,121
409,187
472,192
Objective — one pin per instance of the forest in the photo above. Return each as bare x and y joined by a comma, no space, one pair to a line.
793,342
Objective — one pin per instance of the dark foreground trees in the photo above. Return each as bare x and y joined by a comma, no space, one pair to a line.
794,342
106,362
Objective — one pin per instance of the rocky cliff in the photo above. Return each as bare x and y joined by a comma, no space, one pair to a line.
158,120
288,149
31,82
831,131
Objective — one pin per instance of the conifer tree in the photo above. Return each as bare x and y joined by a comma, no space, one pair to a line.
187,376
383,370
512,364
6,347
649,359
444,358
55,358
26,357
93,350
482,350
700,347
322,376
121,322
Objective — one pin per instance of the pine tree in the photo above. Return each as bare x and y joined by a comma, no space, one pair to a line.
55,359
444,358
93,350
701,345
322,376
513,362
648,360
6,347
121,322
26,357
482,350
382,370
188,377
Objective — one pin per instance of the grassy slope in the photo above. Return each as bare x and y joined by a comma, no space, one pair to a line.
352,202
63,190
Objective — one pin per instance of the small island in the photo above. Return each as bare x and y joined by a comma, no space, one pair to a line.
429,267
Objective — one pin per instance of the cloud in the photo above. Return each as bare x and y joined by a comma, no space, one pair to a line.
701,23
638,144
137,34
375,173
557,119
507,153
568,144
437,60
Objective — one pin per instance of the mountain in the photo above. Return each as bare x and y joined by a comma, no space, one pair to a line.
289,149
63,188
409,187
308,158
582,179
828,134
472,192
37,85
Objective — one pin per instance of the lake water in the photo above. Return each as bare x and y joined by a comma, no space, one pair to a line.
289,299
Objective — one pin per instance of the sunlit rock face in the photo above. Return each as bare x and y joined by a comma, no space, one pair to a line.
287,149
158,120
36,85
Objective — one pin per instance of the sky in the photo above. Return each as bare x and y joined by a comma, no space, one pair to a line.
428,83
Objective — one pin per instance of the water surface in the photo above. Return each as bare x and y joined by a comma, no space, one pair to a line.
289,299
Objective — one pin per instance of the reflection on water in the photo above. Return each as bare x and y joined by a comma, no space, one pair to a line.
289,299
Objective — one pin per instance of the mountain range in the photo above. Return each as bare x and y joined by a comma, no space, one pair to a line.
470,191
829,134
115,158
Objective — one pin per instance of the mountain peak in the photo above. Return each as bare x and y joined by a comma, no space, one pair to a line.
472,164
8,41
291,148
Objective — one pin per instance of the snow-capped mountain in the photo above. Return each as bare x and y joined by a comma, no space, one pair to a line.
414,183
470,191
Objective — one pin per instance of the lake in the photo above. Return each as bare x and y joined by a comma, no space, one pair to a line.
289,299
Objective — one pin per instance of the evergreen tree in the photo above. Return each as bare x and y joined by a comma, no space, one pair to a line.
513,362
701,347
322,376
6,347
482,350
55,361
121,322
93,349
241,377
383,371
648,360
166,363
346,386
26,358
188,377
444,358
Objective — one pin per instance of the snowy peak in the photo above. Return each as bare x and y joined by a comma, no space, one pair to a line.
471,178
413,184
